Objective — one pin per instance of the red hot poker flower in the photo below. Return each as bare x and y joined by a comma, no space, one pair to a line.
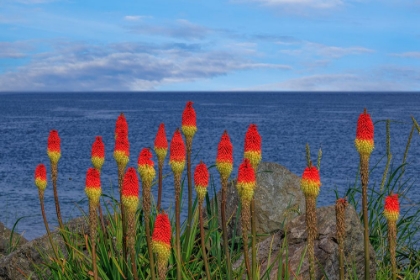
41,177
53,149
189,122
93,185
121,126
146,167
122,150
364,134
161,143
253,145
246,180
201,180
161,238
224,159
130,190
310,182
98,153
177,153
392,207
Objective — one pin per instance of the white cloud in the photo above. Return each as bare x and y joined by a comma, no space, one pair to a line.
135,18
128,66
407,54
14,49
318,4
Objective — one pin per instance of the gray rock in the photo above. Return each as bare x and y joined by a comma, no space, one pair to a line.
5,233
278,199
326,247
21,263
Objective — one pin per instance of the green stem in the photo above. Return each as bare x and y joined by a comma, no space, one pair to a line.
41,200
245,220
224,229
203,243
190,214
146,210
92,227
392,240
131,225
121,168
160,180
54,174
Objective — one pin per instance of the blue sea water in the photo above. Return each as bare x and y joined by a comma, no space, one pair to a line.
286,122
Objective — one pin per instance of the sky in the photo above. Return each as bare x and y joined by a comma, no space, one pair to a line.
213,45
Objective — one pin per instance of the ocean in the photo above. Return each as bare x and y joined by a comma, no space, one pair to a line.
286,122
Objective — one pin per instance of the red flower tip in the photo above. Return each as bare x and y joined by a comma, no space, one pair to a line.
41,176
365,128
160,141
130,185
121,126
177,149
98,148
162,230
252,139
188,116
145,157
41,172
201,175
246,172
54,142
93,179
311,181
122,145
225,149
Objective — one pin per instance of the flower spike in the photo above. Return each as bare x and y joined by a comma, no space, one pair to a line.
121,126
161,143
246,181
130,190
364,134
98,153
310,182
177,153
41,177
189,122
93,186
54,150
122,150
224,159
146,167
201,180
253,145
392,207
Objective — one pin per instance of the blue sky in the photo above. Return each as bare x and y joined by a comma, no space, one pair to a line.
188,45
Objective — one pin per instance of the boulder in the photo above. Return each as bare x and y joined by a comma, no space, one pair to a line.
278,199
292,241
21,263
5,234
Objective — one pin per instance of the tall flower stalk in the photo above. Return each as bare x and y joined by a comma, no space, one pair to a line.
201,181
161,243
177,163
54,153
189,128
130,200
41,183
161,149
252,152
93,192
122,156
340,212
224,164
98,159
246,185
310,184
147,174
392,213
364,144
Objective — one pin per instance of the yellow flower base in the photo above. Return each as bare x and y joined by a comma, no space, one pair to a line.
162,250
97,162
121,157
310,188
224,168
161,153
189,131
147,174
41,184
177,166
130,202
246,190
93,194
201,192
391,215
54,156
364,147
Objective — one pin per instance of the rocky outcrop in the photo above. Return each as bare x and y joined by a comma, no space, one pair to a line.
292,242
6,244
21,263
278,199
